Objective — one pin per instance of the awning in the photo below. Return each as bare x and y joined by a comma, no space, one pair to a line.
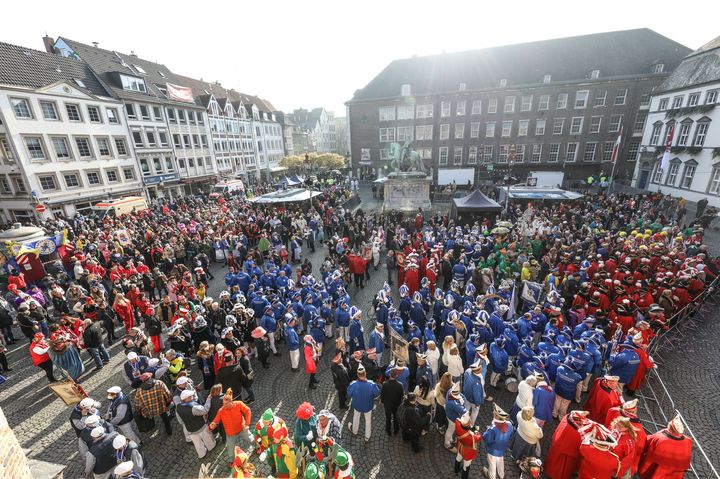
286,196
542,194
476,201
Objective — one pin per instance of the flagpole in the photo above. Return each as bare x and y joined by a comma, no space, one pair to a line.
612,173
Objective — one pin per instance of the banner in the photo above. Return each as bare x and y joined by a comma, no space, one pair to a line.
399,346
531,292
180,93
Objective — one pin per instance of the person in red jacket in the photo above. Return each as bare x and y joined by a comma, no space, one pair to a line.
431,275
356,264
622,316
597,460
310,352
626,448
563,458
468,440
412,277
646,363
667,453
604,395
124,309
629,410
39,354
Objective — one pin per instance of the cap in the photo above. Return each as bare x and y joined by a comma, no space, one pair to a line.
92,420
186,394
87,403
119,441
123,468
114,390
132,355
267,415
181,380
97,432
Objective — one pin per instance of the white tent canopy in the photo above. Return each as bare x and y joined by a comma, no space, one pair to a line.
286,196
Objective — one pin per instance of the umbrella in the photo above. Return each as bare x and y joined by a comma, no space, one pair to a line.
504,224
500,230
258,332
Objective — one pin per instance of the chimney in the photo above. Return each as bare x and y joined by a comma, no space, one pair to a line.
132,54
95,44
49,43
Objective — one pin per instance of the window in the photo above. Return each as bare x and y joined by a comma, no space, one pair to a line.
188,144
21,107
5,186
158,165
657,173
457,155
112,116
571,152
645,98
509,104
684,133
424,132
406,112
460,108
171,115
196,141
163,138
138,138
614,125
669,126
444,109
443,159
19,184
157,114
504,153
519,156
49,110
655,135
132,83
462,86
424,111
492,105
581,98
632,151
35,148
663,104
384,155
595,74
93,178
476,107
83,146
599,100
144,112
620,97
503,82
60,145
576,125
150,137
608,147
112,176
561,101
714,187
678,101
47,183
405,89
526,103
658,68
539,127
129,173
490,129
5,150
73,112
103,147
672,172
71,180
590,148
701,132
595,123
475,129
639,123
444,131
201,118
544,102
554,152
536,153
121,146
204,140
404,133
472,155
94,114
506,128
693,99
547,78
459,131
177,141
488,153
688,174
181,116
523,127
130,109
711,97
387,113
558,124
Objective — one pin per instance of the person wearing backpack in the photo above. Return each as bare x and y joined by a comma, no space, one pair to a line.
412,423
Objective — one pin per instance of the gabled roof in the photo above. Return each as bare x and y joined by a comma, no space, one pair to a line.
700,67
107,64
615,54
20,66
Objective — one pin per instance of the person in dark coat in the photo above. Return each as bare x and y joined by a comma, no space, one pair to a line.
230,375
391,395
413,423
93,339
341,378
106,316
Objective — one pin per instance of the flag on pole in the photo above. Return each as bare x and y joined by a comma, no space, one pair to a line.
616,147
668,144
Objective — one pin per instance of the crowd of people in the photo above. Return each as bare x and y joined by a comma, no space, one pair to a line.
552,303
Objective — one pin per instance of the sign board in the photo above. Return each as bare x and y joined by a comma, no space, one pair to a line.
532,181
40,208
154,180
490,167
399,346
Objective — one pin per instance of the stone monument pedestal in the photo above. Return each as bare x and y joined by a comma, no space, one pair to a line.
407,192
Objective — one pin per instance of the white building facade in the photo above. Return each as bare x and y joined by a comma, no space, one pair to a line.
688,105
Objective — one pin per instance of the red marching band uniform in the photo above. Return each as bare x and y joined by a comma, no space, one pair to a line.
563,459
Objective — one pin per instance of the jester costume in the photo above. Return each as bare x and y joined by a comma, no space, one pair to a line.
263,434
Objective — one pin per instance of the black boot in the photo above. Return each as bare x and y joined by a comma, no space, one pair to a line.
458,465
465,474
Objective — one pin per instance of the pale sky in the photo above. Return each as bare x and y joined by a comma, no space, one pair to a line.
316,52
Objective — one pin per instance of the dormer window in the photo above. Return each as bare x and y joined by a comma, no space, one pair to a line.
595,74
405,89
79,82
503,82
547,78
658,68
139,69
161,74
133,83
462,87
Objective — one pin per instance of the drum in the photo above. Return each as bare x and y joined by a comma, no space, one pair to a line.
511,384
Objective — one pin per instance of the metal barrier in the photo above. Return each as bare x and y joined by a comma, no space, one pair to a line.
657,407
